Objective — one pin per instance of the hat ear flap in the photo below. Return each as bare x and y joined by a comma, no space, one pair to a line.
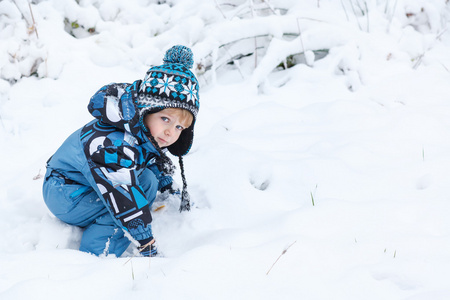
183,144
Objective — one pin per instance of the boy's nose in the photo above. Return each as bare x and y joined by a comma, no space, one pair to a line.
168,132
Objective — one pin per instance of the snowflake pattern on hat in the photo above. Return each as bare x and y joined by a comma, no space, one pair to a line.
178,86
175,82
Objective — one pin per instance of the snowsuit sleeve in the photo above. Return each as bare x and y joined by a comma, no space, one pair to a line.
117,152
114,165
164,180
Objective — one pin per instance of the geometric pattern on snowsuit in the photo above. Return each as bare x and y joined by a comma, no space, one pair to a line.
116,151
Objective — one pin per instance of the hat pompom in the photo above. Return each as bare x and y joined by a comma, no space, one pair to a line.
179,55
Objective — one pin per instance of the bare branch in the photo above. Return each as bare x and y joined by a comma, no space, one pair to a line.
34,23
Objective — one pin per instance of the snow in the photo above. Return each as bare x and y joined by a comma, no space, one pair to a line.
326,180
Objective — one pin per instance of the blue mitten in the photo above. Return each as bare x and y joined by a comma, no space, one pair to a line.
183,197
170,189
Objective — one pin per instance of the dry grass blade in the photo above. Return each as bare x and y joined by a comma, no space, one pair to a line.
141,248
282,253
34,22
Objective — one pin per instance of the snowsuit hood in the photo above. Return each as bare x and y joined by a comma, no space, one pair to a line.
115,105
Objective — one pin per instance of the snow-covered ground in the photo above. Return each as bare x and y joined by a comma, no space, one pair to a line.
326,180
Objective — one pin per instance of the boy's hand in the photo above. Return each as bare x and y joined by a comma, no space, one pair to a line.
170,190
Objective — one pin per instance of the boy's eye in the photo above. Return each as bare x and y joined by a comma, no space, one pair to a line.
165,119
179,127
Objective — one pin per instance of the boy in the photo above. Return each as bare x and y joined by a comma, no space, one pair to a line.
105,176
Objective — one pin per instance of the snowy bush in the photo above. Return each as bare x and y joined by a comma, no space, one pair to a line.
22,55
236,39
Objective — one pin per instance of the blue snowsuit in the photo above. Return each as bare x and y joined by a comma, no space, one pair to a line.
103,177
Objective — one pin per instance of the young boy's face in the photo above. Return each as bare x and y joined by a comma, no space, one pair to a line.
165,126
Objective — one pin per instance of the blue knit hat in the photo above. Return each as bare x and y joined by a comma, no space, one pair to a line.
171,85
